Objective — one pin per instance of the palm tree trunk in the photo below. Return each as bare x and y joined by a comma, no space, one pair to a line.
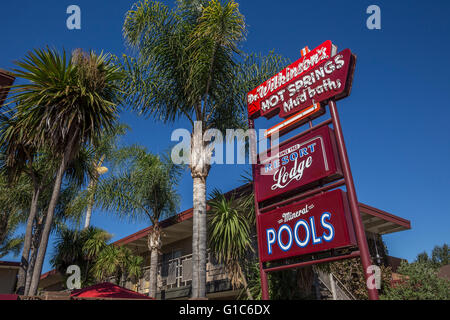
24,263
153,273
33,254
154,244
91,187
200,165
199,255
247,289
245,283
49,218
194,293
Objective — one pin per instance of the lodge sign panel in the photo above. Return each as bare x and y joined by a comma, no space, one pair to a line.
320,223
299,163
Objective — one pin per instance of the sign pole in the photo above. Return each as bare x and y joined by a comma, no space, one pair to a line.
262,273
358,225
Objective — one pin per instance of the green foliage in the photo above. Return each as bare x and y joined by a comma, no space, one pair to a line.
229,229
70,248
97,260
11,245
229,234
188,62
143,189
284,285
14,202
117,262
351,274
439,256
419,282
65,97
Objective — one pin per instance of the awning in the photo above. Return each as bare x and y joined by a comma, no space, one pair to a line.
381,222
107,290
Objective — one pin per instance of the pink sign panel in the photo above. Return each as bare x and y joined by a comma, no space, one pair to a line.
317,224
300,162
260,98
329,78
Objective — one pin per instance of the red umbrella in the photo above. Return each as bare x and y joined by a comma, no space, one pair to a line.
108,290
9,297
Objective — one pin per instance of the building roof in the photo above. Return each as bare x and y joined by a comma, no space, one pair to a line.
6,80
381,222
9,264
185,215
374,220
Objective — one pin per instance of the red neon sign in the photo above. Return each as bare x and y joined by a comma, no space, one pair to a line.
257,98
331,79
317,224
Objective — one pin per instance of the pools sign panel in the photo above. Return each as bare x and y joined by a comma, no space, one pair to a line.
300,162
319,76
317,224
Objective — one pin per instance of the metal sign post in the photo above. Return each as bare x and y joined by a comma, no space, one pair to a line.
363,251
254,157
320,77
357,222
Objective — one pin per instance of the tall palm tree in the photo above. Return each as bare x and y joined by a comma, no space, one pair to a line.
186,66
22,157
103,150
144,189
229,236
75,177
67,103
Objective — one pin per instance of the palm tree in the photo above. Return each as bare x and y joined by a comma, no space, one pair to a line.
186,67
21,157
144,189
117,262
104,149
75,176
229,236
75,247
14,200
88,249
67,103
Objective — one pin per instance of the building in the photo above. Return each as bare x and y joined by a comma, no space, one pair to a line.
6,80
175,264
8,276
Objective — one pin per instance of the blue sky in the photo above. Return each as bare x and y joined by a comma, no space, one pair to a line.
395,122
